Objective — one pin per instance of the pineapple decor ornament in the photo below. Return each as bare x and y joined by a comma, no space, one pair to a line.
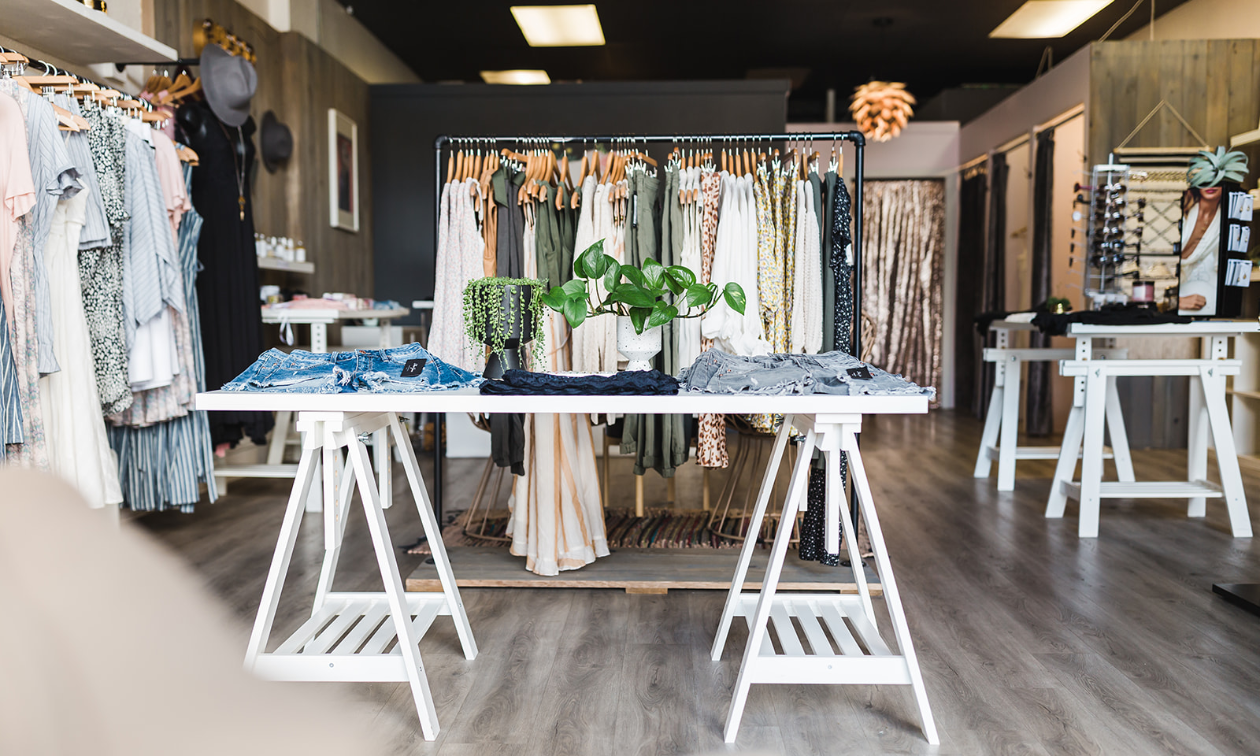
882,109
1211,169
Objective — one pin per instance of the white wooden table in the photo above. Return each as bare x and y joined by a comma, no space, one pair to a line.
1208,414
318,321
335,421
1001,423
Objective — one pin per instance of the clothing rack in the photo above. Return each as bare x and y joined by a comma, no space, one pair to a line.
859,144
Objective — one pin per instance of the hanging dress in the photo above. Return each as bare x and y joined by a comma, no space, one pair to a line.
557,522
78,448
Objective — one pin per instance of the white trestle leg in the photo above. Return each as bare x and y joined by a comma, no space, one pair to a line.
356,637
860,655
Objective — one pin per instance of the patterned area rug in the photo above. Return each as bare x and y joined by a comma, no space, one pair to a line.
657,529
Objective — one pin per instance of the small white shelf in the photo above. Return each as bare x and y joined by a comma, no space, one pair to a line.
76,34
275,263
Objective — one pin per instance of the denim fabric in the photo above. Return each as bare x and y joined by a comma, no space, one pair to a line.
370,370
717,372
627,383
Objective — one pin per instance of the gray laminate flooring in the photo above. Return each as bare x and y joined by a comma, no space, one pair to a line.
1031,640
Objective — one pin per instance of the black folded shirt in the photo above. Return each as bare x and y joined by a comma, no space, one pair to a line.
626,383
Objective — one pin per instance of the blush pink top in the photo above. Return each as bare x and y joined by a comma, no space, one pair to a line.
17,189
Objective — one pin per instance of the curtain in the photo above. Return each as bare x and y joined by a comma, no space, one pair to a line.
969,292
994,275
1038,415
903,253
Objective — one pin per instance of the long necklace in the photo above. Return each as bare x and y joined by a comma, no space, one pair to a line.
239,171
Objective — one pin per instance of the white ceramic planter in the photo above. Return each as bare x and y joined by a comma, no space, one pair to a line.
638,348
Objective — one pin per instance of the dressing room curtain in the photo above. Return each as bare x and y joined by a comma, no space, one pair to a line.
903,253
994,277
1038,416
969,292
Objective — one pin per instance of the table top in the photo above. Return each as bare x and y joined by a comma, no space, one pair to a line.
1197,328
311,315
471,400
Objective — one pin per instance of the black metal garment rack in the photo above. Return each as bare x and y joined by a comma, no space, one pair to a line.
455,142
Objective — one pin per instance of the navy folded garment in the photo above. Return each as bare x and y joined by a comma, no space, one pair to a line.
627,383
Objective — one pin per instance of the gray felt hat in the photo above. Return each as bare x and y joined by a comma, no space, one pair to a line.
229,83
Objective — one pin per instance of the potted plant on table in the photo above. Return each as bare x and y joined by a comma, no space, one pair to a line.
504,314
643,299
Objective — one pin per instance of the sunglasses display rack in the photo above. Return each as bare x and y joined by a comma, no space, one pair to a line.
1112,226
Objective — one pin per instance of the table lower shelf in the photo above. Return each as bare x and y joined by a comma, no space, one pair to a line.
353,638
1171,489
1037,452
821,639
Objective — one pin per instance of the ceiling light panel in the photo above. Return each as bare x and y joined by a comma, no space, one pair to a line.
516,76
559,25
1046,19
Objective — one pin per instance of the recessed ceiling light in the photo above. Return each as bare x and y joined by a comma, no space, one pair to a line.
559,25
1043,19
516,76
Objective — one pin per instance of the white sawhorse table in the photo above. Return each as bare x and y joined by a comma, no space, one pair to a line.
1093,382
814,661
330,422
1001,423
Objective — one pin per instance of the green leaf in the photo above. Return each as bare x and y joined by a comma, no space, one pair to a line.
555,298
575,312
574,288
661,314
634,297
612,276
586,264
681,274
699,295
734,295
653,273
634,275
673,285
638,318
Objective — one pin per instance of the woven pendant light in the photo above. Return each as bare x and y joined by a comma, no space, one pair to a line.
882,109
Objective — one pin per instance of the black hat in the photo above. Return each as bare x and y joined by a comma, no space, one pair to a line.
275,142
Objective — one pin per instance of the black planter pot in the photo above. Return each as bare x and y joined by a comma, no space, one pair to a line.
519,331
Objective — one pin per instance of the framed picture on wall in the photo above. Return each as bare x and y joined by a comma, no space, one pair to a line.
343,172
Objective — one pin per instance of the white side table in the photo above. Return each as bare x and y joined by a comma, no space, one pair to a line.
1001,423
1208,414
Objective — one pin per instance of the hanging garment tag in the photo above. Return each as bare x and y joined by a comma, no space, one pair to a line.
413,368
860,373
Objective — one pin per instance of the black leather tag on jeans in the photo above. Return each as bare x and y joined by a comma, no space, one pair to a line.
413,368
860,373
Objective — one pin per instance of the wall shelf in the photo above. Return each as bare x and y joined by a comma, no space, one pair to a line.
275,263
78,35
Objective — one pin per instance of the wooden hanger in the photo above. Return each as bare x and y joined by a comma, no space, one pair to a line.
450,167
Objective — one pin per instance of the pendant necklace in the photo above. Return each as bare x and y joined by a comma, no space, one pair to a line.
239,172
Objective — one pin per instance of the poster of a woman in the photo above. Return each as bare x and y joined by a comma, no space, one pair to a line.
1200,251
1199,277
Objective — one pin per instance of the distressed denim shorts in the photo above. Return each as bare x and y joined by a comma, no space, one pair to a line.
404,369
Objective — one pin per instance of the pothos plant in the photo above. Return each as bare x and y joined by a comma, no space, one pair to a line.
487,321
650,296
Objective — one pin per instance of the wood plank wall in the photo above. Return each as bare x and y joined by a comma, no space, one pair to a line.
300,82
1214,84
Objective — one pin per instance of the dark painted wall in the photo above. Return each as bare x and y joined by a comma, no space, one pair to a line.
406,119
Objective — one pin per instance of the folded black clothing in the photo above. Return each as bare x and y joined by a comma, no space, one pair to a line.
985,319
1056,324
626,383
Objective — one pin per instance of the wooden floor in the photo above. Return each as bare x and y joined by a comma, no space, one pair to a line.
1031,640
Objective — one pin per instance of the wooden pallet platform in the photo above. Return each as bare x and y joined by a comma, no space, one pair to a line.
651,571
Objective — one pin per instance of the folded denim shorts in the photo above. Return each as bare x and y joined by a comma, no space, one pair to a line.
404,369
